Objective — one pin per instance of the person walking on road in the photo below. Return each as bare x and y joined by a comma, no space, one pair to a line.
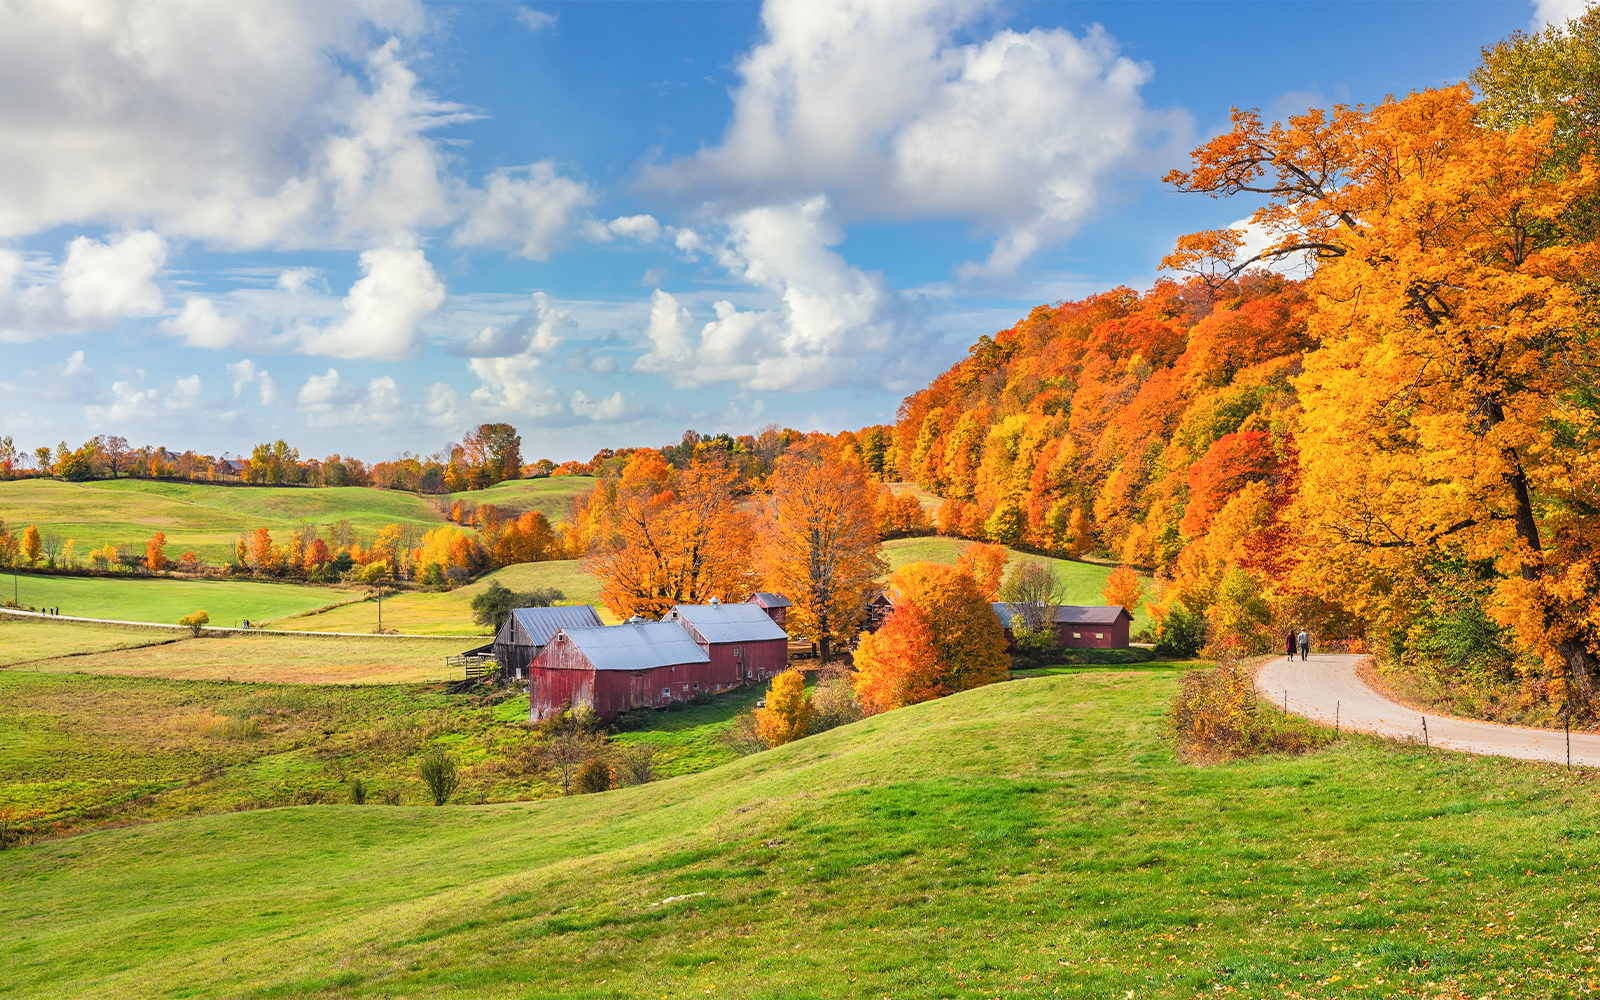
1305,644
1288,646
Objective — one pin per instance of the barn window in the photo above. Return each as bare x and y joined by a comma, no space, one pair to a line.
697,685
738,651
686,687
666,692
1099,635
1077,635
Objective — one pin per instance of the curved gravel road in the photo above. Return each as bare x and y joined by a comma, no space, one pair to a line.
1328,683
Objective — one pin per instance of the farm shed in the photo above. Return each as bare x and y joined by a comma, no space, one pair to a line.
529,629
1079,626
775,605
742,642
612,668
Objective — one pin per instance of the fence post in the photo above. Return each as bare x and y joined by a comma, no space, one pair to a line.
1425,732
1336,718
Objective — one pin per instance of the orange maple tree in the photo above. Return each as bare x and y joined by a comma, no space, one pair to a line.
672,537
819,544
953,618
987,565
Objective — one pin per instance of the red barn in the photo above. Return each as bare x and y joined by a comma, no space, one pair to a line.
775,605
1080,627
742,642
612,668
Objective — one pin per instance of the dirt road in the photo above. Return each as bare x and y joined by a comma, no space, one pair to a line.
1327,683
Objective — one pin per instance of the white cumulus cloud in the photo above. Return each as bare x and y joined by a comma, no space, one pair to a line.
397,290
874,103
525,210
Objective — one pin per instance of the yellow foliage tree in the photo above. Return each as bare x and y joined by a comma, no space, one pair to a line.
788,711
1123,588
819,545
155,552
1448,413
987,565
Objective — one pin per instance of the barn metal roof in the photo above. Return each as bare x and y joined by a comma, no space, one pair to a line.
1067,614
728,622
1079,615
539,624
638,646
767,600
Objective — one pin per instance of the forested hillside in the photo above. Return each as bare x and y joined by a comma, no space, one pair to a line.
1398,451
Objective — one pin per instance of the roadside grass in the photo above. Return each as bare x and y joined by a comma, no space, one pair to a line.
26,639
205,518
163,600
551,495
1081,582
258,657
1028,838
450,612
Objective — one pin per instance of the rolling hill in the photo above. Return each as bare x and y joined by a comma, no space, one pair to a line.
1021,839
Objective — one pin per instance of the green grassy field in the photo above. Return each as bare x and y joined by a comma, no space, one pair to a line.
25,639
1081,582
263,657
1034,838
164,601
450,613
205,518
551,495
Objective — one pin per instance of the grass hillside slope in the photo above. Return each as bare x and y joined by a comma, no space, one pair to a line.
550,495
1029,838
205,518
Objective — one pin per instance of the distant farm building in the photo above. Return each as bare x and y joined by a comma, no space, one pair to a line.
529,630
742,642
1079,627
612,668
879,606
775,605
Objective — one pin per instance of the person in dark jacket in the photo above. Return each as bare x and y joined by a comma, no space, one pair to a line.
1288,645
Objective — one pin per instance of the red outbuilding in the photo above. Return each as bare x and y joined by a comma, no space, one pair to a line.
742,642
1080,627
612,668
775,605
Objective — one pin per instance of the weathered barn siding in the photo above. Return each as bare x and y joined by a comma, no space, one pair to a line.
611,669
741,641
527,630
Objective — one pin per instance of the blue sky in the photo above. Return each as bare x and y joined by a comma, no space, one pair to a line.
366,228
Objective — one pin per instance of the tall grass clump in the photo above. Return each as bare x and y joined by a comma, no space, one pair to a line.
1218,716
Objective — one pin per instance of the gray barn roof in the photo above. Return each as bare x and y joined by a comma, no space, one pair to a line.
767,600
728,622
1067,614
535,626
637,646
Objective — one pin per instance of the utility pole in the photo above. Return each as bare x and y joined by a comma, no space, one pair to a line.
380,609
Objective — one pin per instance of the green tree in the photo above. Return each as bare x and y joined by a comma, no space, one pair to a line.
495,604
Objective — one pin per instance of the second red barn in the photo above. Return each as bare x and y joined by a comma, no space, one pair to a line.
742,642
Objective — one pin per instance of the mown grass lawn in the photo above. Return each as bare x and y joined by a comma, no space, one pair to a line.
27,639
164,600
1033,838
205,518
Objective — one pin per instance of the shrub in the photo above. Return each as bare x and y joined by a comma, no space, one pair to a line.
834,703
1183,633
634,765
196,622
788,713
438,772
1034,641
358,792
1217,715
633,719
743,737
391,797
594,776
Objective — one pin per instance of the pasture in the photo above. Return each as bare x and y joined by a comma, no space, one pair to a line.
163,600
1031,838
450,612
551,495
202,517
